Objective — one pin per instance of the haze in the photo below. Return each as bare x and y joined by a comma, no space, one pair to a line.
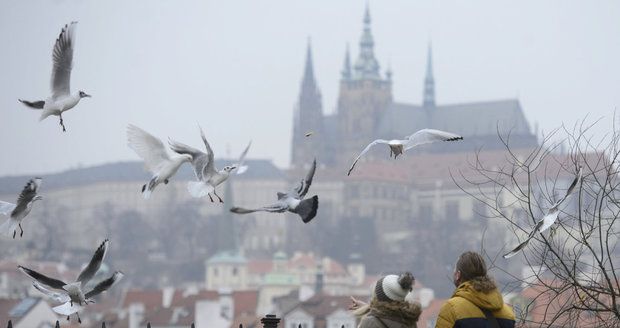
235,67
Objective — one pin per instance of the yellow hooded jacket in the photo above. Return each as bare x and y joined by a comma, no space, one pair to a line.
463,309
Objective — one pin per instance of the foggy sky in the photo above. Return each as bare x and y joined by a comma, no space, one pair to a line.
235,67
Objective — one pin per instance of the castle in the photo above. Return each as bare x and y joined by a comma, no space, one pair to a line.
366,110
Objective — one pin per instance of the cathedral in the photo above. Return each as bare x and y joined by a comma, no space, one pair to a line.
366,111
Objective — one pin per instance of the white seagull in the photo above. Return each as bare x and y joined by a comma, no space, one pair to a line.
17,212
72,295
549,219
61,99
155,156
292,201
207,174
398,147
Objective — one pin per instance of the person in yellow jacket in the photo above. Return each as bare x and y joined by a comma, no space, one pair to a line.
476,302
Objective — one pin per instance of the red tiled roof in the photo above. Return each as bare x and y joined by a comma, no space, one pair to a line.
260,266
246,302
180,298
150,298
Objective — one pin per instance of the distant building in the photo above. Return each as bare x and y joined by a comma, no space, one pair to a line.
181,307
27,313
366,110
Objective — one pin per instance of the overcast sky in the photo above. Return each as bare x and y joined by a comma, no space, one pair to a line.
235,67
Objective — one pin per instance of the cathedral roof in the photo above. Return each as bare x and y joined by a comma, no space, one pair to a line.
468,119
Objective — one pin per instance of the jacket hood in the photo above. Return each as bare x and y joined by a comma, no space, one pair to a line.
491,300
400,311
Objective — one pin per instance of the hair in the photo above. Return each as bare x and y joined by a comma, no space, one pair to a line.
473,268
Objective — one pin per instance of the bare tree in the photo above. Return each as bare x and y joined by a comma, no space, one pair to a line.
570,272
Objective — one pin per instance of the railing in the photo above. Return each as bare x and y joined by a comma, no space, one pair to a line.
269,321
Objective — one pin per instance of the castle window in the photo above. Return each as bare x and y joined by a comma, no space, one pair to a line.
452,210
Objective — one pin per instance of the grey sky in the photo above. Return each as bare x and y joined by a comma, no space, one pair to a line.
235,67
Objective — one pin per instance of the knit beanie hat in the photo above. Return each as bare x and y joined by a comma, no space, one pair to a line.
394,287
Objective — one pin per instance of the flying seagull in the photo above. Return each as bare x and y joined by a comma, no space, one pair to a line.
155,156
17,212
61,99
549,219
398,147
292,201
207,174
72,295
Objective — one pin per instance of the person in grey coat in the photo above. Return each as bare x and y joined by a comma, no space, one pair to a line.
388,308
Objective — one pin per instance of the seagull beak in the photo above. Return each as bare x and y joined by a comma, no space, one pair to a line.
87,95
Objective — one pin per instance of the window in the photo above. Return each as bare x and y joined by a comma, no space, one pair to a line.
452,210
426,212
215,272
234,271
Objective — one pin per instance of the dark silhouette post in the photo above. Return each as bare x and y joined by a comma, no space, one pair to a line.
270,321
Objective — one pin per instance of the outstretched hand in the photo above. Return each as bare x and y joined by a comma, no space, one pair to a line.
355,303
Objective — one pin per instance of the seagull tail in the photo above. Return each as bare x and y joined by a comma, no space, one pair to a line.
7,228
148,188
307,208
198,189
67,309
45,114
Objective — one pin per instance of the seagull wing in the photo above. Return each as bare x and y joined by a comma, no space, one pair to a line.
104,285
60,297
6,208
42,279
199,158
378,141
302,188
95,263
210,167
570,189
542,225
149,148
241,168
426,136
278,207
28,194
62,57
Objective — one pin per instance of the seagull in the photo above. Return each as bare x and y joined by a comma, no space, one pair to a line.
17,212
155,156
292,201
72,295
207,174
549,219
61,99
398,147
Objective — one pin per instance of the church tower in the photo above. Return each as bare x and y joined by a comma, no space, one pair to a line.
364,97
308,118
429,81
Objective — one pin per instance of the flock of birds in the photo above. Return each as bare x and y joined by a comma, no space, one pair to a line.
163,167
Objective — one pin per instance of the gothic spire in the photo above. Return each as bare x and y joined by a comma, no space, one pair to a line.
366,66
308,79
429,80
346,67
